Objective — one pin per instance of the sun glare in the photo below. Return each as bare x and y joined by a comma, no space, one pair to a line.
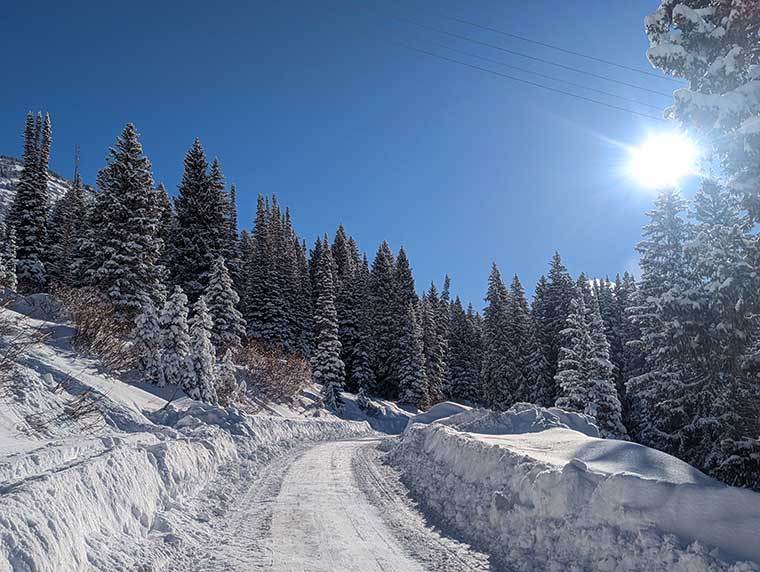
663,160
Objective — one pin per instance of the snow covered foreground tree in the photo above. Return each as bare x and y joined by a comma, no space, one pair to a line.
713,45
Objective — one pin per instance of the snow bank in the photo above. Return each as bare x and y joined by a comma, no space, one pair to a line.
385,416
521,418
558,499
81,499
439,411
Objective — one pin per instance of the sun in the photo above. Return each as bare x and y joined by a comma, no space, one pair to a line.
663,160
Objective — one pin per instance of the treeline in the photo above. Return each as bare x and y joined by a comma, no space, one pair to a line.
666,362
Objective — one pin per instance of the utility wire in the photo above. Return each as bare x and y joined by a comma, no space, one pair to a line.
532,83
534,58
545,76
565,50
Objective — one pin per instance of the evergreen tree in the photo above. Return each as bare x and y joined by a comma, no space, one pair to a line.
414,388
147,342
382,301
362,375
303,303
613,317
127,243
228,329
721,253
228,389
551,309
28,214
327,367
64,229
201,225
177,366
633,363
346,303
166,226
463,366
573,371
433,346
531,361
8,257
443,321
712,44
658,397
602,397
500,377
202,354
271,267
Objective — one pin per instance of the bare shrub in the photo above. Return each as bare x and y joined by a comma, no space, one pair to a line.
273,374
83,410
97,331
14,342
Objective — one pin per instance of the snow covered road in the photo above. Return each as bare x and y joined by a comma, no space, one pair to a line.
331,507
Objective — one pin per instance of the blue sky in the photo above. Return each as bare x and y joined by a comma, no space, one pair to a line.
311,100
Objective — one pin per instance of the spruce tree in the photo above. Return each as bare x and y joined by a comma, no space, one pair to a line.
463,366
64,229
382,302
228,389
177,367
346,303
147,342
271,267
573,372
552,310
603,401
201,226
414,388
433,347
500,376
613,318
8,257
166,226
127,243
362,374
443,321
658,397
327,367
228,329
202,355
531,361
28,214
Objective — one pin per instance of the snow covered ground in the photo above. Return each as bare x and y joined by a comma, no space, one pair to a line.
538,491
104,493
148,485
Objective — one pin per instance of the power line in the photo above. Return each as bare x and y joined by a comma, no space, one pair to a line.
532,83
565,50
527,56
545,76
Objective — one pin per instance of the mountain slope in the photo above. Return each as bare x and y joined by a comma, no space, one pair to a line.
10,170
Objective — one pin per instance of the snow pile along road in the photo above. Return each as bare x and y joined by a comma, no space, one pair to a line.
554,498
98,494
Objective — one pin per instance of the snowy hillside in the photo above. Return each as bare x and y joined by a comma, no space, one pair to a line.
108,490
530,487
10,169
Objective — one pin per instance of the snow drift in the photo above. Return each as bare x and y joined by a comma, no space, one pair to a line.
554,498
75,499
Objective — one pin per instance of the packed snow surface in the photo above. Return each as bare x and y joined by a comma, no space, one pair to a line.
551,497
